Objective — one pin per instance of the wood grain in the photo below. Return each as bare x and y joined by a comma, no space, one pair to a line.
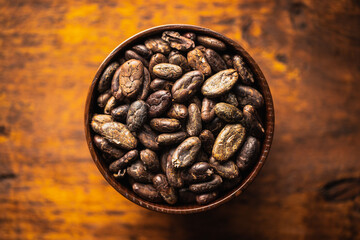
309,52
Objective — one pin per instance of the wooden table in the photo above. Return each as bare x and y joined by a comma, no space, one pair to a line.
308,189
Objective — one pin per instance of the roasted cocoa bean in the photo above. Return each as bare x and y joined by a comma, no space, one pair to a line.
178,111
210,42
103,98
227,170
173,174
131,77
206,198
150,160
207,141
207,110
142,50
146,85
248,96
166,191
230,98
157,45
137,115
177,41
187,86
215,125
190,35
130,54
115,89
139,173
206,186
181,61
194,125
120,113
124,161
197,61
148,138
228,60
216,63
160,84
248,154
166,139
220,83
147,192
159,102
228,112
252,121
106,147
185,154
154,60
246,77
106,77
165,124
167,71
200,171
110,105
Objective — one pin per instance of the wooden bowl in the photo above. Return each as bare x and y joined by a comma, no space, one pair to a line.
268,118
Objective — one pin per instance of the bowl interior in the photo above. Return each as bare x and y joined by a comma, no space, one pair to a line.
266,114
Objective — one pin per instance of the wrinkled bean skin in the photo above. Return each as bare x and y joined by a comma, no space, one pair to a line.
215,125
124,161
206,186
227,170
170,138
106,77
187,86
158,102
110,105
148,138
186,196
115,89
173,174
206,198
167,71
216,63
131,77
130,54
117,133
207,110
244,72
185,154
177,41
106,147
194,125
190,35
147,191
220,83
207,141
166,191
210,42
139,172
120,113
200,171
157,45
160,84
181,61
248,154
150,160
165,124
142,51
228,141
228,112
230,98
252,121
136,115
154,60
228,60
146,85
103,98
178,111
248,96
99,119
197,61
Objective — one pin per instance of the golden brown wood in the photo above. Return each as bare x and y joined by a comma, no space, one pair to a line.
309,52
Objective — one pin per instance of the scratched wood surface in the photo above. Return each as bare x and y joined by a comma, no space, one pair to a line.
308,50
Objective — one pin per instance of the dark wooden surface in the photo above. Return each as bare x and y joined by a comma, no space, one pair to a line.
309,187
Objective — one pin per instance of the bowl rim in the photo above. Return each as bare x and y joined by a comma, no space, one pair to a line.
264,89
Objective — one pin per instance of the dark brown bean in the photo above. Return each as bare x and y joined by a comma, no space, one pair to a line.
177,41
173,174
137,115
190,35
186,196
165,124
173,52
230,98
150,160
142,50
130,54
106,147
159,102
110,105
227,170
196,100
148,138
115,89
228,141
248,154
200,171
202,156
139,173
146,85
228,60
228,112
253,122
207,141
194,125
120,113
197,61
124,161
215,125
147,191
103,98
131,77
210,42
246,77
160,84
206,186
219,83
117,133
163,158
166,191
248,96
185,154
201,48
216,63
154,60
178,111
181,61
106,77
206,198
187,86
170,138
207,110
167,71
157,45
